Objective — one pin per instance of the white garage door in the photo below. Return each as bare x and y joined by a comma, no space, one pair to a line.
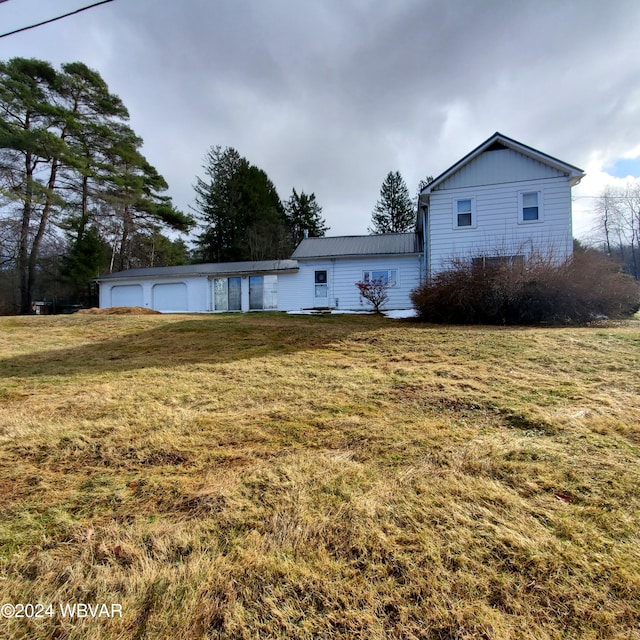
170,297
126,295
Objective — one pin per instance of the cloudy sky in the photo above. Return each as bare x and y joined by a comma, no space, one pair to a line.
328,96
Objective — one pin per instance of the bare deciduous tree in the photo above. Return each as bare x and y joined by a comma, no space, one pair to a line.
618,223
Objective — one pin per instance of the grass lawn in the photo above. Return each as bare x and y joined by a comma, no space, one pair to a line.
270,476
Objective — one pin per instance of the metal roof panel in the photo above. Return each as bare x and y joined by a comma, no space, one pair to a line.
379,244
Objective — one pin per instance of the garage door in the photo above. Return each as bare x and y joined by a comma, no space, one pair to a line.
170,297
126,295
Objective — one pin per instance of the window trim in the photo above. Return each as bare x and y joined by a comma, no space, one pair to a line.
396,280
540,217
474,219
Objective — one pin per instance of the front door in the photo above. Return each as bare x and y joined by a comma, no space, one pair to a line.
321,292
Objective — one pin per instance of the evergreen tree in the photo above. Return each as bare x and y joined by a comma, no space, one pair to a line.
216,205
394,212
240,210
303,214
421,185
133,192
154,249
32,133
65,154
86,258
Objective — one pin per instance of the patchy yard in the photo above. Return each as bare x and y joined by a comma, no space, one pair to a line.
274,476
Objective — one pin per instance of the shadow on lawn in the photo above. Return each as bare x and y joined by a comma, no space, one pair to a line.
206,340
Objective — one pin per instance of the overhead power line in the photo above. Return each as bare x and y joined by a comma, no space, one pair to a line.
66,15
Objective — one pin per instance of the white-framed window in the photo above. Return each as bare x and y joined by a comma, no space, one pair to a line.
464,213
530,207
384,276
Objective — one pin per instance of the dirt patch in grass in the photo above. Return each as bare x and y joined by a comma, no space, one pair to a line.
118,311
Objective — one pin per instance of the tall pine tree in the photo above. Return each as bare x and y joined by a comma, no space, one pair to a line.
303,215
240,211
394,212
65,153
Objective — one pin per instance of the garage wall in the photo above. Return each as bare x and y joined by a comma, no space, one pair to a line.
189,295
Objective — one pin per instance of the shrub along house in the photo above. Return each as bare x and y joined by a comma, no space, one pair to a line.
502,201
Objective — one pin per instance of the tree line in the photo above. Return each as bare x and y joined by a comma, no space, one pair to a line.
74,184
618,225
78,198
242,216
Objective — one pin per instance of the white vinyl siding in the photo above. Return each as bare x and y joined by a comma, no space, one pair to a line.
498,229
296,291
497,168
192,294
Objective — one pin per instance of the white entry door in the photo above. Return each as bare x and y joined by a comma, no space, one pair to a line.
321,292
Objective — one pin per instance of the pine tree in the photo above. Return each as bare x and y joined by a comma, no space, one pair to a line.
65,153
240,211
303,215
394,212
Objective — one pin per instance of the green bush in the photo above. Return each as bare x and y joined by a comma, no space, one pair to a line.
533,291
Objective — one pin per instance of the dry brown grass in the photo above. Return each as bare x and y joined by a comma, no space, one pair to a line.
268,476
118,311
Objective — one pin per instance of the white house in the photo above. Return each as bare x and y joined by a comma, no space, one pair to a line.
328,269
503,200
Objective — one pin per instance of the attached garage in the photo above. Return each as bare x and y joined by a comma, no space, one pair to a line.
126,295
197,288
170,296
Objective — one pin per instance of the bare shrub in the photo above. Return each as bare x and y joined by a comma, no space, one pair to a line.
375,292
537,290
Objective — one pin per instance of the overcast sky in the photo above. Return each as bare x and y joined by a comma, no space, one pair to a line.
328,96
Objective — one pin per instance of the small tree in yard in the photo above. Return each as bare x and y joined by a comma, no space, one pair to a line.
375,292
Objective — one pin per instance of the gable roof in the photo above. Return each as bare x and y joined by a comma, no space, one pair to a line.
208,269
500,141
345,246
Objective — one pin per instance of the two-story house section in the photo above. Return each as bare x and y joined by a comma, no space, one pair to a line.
503,200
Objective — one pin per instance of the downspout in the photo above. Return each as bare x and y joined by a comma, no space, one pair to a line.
424,210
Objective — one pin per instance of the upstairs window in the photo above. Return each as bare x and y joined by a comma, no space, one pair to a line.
530,209
464,214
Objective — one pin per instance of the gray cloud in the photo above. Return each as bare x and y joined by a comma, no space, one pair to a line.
329,96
